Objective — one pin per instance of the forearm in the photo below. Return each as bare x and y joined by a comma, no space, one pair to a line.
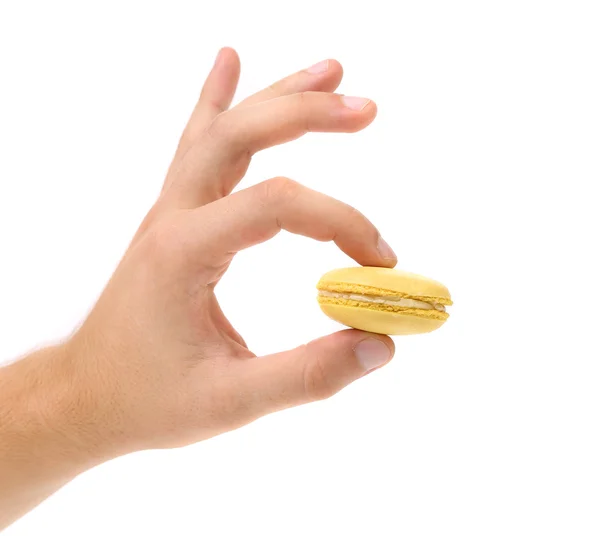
41,445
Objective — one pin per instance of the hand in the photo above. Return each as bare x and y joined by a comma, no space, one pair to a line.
156,364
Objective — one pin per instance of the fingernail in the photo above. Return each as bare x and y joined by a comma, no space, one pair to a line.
372,353
355,103
319,68
385,250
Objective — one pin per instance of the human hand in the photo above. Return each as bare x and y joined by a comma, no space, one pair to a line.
157,364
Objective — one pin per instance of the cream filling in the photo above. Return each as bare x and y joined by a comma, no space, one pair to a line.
388,300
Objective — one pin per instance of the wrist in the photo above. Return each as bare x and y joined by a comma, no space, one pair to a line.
46,418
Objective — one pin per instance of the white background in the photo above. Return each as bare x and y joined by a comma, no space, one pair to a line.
481,170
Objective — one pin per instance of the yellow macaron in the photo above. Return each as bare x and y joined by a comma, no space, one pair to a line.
383,300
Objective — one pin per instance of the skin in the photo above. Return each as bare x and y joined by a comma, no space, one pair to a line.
157,364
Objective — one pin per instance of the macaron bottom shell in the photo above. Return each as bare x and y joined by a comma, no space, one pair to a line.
383,322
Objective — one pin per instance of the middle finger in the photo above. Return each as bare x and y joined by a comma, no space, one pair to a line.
323,76
212,167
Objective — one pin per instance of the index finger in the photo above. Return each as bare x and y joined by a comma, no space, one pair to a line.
256,214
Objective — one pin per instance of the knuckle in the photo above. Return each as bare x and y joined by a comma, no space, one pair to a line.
354,214
302,104
159,236
279,190
163,241
303,98
354,217
217,128
223,132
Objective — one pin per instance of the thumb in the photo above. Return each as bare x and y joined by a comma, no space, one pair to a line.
314,371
